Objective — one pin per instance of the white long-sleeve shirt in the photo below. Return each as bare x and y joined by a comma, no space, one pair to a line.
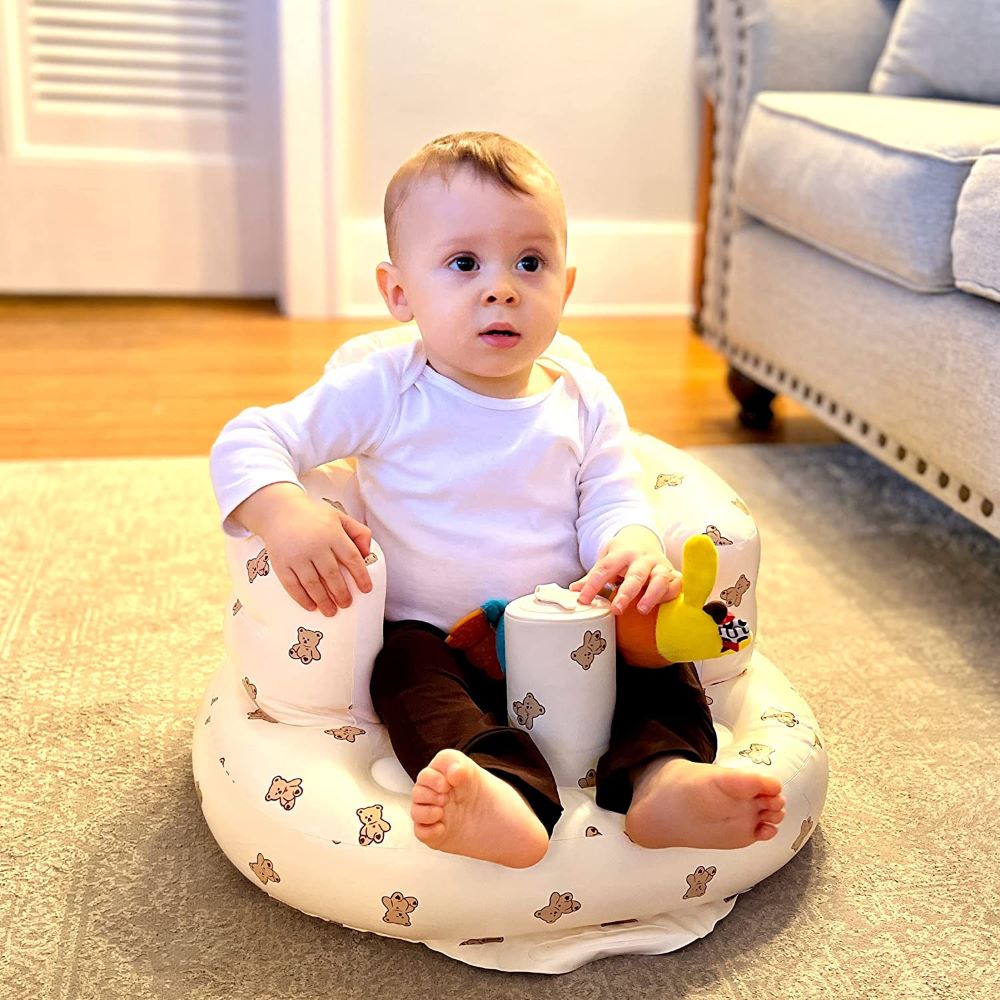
470,497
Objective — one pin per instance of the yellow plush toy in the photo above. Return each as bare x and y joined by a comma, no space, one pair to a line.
686,628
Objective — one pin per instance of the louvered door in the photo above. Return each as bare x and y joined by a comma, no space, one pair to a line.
138,146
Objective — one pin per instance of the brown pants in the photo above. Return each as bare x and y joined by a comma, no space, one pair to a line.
430,698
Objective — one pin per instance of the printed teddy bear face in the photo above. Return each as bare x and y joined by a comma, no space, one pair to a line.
785,718
373,827
264,870
398,908
717,536
307,648
349,733
759,753
284,791
527,710
593,645
733,595
259,565
668,479
559,903
698,881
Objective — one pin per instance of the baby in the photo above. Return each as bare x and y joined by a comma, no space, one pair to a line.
486,467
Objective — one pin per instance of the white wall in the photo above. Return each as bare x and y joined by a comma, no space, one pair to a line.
602,89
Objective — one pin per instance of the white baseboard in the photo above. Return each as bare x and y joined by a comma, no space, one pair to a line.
623,268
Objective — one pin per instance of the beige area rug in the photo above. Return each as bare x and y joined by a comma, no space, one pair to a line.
879,603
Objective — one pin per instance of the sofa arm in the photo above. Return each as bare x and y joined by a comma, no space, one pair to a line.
745,46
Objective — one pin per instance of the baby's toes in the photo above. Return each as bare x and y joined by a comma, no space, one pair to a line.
452,766
773,816
433,780
425,814
771,802
426,796
742,784
765,831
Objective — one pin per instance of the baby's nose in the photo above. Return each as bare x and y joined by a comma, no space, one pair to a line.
500,292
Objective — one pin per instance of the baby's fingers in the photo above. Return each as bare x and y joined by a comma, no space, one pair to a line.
664,585
635,580
345,551
332,578
289,579
603,572
326,596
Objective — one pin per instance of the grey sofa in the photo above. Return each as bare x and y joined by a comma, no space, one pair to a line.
853,242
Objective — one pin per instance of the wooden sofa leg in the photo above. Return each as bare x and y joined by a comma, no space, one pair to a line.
754,399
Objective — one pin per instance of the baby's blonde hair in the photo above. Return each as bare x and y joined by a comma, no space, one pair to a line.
490,156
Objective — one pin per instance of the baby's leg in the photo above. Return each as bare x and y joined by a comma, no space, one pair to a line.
659,771
482,789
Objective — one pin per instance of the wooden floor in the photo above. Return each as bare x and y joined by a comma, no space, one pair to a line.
134,377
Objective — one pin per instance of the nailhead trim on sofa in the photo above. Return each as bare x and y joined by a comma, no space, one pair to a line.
978,508
731,104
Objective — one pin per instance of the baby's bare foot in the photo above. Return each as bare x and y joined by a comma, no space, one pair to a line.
678,803
460,808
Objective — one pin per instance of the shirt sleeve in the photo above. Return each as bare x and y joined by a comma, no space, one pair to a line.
611,494
348,412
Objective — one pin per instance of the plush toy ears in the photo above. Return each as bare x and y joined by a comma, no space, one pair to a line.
680,630
699,565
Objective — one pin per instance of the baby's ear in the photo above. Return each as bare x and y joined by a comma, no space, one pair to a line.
570,282
389,281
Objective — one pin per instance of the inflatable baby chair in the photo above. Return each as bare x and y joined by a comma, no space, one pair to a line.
299,785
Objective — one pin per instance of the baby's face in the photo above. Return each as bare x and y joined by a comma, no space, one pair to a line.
473,257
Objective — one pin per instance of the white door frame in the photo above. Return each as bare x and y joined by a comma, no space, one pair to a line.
311,70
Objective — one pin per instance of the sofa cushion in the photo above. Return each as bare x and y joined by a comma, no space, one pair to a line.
975,243
942,48
873,180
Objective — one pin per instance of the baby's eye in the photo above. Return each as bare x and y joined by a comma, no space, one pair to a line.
530,262
463,263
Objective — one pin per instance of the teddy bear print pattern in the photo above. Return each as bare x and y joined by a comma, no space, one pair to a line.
260,565
374,828
287,790
398,908
593,645
527,710
559,903
307,648
402,909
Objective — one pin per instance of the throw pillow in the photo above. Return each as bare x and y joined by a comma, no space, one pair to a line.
942,48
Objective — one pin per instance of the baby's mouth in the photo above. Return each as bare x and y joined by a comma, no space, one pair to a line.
500,330
500,338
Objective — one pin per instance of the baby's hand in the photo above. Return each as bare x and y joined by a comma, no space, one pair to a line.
310,547
634,556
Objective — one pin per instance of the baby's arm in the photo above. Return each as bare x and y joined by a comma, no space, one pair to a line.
258,457
309,545
616,527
